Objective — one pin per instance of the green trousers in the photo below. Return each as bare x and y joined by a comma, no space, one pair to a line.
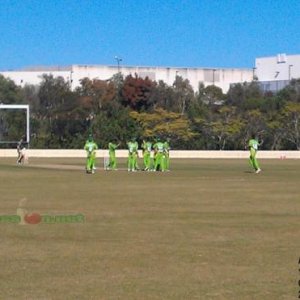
132,161
112,161
90,161
252,159
167,161
147,160
160,161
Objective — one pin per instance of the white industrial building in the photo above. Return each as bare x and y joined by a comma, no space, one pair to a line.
273,73
219,77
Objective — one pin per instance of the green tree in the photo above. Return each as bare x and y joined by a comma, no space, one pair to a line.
183,93
291,113
226,127
240,92
290,93
255,124
52,93
10,93
115,122
164,96
164,124
12,123
275,131
57,120
212,95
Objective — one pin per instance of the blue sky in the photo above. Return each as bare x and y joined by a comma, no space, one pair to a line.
199,33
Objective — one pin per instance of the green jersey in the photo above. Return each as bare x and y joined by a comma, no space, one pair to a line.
159,147
253,143
132,147
112,148
167,147
147,147
90,147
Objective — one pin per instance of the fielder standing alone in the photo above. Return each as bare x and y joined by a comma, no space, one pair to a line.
253,147
21,150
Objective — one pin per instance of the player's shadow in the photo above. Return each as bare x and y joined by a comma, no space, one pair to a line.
248,172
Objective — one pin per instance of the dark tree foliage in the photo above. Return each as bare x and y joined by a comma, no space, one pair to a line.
137,92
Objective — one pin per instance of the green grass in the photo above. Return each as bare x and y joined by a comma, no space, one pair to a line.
210,229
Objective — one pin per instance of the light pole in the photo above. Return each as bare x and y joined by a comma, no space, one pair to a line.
253,73
118,59
276,75
290,66
214,70
71,79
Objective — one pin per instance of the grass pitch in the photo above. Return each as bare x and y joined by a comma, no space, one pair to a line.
209,229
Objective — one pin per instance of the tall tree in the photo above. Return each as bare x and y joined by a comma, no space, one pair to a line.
275,131
96,93
183,94
212,95
137,93
164,124
255,124
12,123
291,113
10,93
226,127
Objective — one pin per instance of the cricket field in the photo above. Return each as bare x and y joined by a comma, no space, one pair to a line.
209,229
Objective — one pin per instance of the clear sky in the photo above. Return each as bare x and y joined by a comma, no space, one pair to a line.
186,33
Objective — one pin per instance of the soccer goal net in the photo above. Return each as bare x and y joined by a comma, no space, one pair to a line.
14,124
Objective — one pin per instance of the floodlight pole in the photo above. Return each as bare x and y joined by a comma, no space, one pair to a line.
214,70
118,59
290,66
253,73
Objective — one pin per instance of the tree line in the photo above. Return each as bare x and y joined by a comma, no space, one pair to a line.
125,107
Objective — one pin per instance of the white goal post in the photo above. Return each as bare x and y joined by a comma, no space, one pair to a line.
17,107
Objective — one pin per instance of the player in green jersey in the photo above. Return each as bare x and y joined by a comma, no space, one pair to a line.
147,147
160,158
253,147
167,154
90,147
112,163
132,155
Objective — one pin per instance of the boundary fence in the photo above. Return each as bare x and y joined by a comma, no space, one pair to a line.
69,153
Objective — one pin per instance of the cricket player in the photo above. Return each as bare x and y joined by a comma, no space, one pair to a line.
167,154
90,147
112,164
132,155
147,147
21,149
253,147
159,154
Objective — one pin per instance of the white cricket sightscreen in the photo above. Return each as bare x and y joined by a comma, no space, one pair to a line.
17,107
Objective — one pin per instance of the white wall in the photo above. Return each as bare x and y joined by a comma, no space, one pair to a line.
55,153
33,77
220,77
267,69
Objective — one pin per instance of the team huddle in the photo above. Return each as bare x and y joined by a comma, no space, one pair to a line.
158,161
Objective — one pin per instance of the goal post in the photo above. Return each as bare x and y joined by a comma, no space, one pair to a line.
24,107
